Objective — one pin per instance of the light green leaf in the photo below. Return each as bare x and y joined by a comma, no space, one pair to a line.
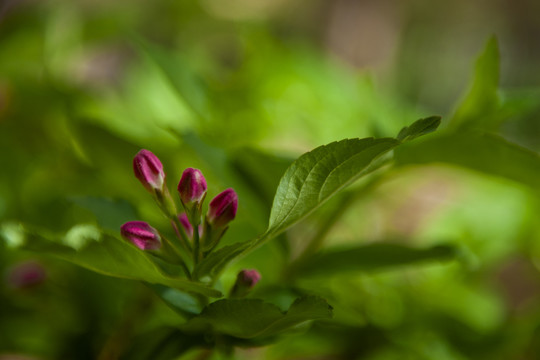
250,318
479,108
370,257
111,256
188,85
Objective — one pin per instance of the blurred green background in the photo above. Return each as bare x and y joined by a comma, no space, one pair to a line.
239,89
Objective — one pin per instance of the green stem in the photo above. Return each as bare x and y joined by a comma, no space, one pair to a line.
184,241
171,253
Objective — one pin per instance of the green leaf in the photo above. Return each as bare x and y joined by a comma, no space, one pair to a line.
419,128
250,318
109,255
317,175
485,153
479,108
216,261
370,257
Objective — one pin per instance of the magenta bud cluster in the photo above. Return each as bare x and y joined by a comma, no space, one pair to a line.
197,233
142,235
149,170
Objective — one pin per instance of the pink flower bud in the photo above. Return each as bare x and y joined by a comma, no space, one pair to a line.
141,235
192,187
245,281
222,209
26,275
248,278
149,170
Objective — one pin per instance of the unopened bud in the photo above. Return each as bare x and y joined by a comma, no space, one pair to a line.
142,235
26,275
222,209
192,187
149,170
245,281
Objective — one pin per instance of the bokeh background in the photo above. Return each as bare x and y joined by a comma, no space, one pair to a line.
239,89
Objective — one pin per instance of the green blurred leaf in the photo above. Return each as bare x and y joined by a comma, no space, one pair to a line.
485,153
479,108
370,257
189,86
250,318
260,171
419,128
110,256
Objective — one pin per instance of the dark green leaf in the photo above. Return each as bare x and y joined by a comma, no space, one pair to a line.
370,257
419,128
87,247
480,152
250,318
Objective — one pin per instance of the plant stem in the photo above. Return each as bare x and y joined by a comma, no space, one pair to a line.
182,236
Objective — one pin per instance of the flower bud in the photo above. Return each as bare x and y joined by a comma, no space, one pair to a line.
141,235
26,275
192,187
245,281
149,170
222,209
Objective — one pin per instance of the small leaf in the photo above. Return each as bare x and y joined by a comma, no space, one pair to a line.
182,302
250,318
111,256
419,128
370,257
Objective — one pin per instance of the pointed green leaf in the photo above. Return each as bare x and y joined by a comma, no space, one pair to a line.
250,318
419,128
370,257
319,174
